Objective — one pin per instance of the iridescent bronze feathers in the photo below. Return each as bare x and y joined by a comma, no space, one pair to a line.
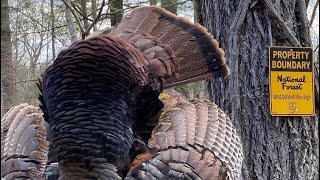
193,140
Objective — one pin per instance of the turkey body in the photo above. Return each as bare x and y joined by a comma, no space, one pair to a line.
89,97
100,92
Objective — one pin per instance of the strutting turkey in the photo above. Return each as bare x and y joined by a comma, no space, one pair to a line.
95,91
24,147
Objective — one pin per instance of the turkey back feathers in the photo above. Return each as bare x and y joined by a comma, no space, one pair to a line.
89,94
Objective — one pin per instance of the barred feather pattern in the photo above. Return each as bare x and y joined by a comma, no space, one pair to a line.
89,95
195,135
178,50
23,142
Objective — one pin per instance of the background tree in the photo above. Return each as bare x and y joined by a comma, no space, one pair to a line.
70,22
153,2
7,70
274,147
170,5
116,11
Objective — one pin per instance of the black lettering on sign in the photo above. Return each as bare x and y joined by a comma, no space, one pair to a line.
291,59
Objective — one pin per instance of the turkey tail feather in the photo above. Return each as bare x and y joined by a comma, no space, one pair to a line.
23,137
194,139
187,51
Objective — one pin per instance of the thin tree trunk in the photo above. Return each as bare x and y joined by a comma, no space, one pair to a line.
153,2
7,66
84,14
94,12
197,12
116,11
53,30
70,24
274,147
170,5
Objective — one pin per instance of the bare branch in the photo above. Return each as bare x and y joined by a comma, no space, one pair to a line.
95,20
75,16
83,4
313,15
38,23
19,82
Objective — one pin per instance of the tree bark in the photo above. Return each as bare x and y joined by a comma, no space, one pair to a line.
70,23
7,66
116,11
170,5
197,12
274,147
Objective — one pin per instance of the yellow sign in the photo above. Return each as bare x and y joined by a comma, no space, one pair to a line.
291,81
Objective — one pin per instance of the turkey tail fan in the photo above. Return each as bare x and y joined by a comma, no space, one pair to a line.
23,138
194,139
186,51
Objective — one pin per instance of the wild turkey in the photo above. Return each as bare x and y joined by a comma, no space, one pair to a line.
169,97
24,147
193,140
101,90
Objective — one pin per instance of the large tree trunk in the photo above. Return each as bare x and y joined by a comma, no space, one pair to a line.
274,147
7,66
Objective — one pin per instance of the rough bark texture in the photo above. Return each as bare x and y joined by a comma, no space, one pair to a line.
7,68
274,147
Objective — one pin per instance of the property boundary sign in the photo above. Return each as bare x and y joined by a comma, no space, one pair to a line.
291,83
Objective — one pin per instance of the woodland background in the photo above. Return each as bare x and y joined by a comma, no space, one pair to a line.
34,31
